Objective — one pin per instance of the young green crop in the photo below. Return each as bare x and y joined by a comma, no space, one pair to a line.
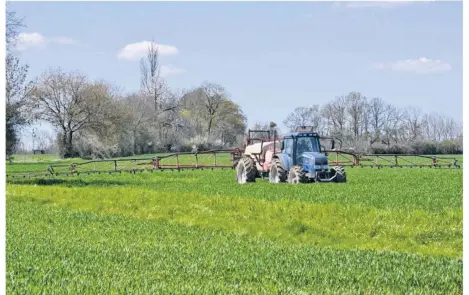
53,250
431,190
386,231
332,225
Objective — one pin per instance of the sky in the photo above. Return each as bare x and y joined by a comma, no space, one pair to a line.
271,57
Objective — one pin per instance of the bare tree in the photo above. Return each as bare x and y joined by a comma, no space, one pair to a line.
139,115
426,130
356,106
168,118
261,126
450,129
17,87
304,116
365,125
379,113
391,128
437,127
412,123
44,140
70,103
13,25
335,114
152,83
153,87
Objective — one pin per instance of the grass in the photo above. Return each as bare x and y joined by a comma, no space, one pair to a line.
85,253
386,231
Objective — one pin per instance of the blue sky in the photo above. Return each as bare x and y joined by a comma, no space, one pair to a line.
271,57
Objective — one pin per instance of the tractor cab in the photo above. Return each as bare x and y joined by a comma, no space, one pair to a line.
303,147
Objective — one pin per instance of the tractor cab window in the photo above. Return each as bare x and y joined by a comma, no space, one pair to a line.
307,144
289,146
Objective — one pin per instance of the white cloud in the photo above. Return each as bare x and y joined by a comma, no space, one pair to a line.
170,70
421,66
31,40
135,51
372,4
27,40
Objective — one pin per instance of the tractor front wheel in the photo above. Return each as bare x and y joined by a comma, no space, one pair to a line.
341,176
277,173
297,175
246,170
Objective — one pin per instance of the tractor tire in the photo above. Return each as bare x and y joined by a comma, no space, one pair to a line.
246,170
297,175
341,175
277,173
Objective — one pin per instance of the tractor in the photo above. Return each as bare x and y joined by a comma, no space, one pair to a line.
297,158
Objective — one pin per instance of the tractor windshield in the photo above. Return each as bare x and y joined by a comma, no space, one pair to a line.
307,144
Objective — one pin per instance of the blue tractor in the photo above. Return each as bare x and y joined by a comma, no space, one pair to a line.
297,158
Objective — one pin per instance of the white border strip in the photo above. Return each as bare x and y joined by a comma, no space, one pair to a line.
465,104
341,1
2,86
3,162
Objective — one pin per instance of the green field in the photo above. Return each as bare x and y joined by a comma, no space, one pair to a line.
386,231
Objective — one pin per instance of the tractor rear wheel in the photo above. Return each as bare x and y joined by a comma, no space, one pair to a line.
341,176
297,175
246,170
277,173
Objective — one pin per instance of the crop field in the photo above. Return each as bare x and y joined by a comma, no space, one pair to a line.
385,231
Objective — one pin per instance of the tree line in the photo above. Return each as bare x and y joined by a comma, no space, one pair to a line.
97,119
375,126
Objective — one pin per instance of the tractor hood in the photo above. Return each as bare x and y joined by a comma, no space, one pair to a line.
313,161
314,158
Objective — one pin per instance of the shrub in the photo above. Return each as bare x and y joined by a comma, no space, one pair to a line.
449,147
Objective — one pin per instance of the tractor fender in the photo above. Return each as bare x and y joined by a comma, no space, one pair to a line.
284,159
268,157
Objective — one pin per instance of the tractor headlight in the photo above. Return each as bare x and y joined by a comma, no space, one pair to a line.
308,162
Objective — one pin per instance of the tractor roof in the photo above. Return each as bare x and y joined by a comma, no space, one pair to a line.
301,134
304,129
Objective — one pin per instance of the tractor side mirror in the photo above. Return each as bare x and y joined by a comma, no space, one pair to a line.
332,144
282,145
322,149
